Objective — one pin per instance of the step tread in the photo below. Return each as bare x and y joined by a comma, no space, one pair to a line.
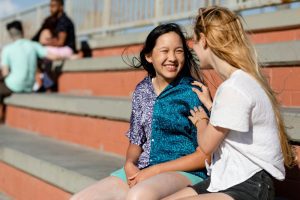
118,108
65,165
4,197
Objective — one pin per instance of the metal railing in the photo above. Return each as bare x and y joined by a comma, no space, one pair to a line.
112,16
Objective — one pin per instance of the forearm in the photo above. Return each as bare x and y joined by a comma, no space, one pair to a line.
191,162
133,153
4,71
211,138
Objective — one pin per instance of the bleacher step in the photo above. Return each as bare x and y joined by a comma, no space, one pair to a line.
4,197
103,107
67,166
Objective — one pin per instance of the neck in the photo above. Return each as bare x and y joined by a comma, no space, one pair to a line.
159,84
16,38
223,68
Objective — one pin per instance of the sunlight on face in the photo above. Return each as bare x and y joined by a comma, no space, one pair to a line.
167,56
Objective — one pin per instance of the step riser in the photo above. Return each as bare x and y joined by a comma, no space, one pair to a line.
100,134
22,186
276,36
284,80
117,83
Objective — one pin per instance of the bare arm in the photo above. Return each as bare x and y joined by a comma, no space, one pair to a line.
4,70
211,138
133,153
61,38
191,162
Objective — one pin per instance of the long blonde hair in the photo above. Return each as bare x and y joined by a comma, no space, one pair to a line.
228,40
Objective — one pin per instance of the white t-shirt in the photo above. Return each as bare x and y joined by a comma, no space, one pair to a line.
252,143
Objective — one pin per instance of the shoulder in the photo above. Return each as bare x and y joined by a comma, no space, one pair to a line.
8,48
64,19
185,85
143,87
144,84
238,87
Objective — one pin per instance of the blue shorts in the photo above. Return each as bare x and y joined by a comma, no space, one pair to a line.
120,173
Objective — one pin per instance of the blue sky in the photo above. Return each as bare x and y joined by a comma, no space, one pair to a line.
8,7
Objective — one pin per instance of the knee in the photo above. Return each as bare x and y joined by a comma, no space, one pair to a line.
138,193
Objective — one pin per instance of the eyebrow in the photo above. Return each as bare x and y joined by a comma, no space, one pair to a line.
181,47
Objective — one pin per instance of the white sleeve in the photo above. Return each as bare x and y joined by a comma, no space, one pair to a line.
231,109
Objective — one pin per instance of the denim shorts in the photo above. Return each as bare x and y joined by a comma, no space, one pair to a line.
258,187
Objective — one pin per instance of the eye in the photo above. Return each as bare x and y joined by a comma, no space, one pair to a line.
179,51
164,51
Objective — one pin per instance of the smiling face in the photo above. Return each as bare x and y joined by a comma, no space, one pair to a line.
167,56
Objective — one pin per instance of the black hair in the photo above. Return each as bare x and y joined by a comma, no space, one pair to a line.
16,25
190,67
61,2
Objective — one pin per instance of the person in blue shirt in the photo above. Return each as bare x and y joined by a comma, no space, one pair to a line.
162,156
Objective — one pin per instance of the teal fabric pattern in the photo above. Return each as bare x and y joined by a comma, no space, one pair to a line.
173,134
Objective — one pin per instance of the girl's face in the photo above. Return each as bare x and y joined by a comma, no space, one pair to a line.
198,47
167,56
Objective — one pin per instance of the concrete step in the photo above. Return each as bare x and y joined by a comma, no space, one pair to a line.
4,197
66,167
97,122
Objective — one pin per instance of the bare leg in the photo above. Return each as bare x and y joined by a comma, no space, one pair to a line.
210,196
184,193
110,188
158,187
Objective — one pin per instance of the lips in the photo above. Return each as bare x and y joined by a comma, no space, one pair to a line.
171,68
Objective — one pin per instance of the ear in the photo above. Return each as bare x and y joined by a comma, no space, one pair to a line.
203,40
149,58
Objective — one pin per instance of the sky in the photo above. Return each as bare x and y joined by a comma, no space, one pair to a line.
8,7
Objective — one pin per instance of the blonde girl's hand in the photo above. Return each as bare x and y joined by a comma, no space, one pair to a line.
204,95
197,115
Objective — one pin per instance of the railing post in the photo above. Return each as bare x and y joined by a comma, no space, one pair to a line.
232,4
159,6
39,19
106,14
68,7
1,35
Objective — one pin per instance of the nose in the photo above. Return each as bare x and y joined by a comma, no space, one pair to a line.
172,56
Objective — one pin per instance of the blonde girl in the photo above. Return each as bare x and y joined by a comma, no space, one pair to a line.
245,132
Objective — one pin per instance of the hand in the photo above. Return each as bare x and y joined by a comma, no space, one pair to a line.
131,171
198,115
204,96
146,173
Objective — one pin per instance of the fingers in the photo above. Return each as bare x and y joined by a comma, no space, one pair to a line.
133,176
132,183
198,92
199,84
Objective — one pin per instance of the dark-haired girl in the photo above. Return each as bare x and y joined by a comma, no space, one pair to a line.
162,156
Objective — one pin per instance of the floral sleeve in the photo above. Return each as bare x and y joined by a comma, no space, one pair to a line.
136,132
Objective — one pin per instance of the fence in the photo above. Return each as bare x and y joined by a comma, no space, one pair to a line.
112,16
